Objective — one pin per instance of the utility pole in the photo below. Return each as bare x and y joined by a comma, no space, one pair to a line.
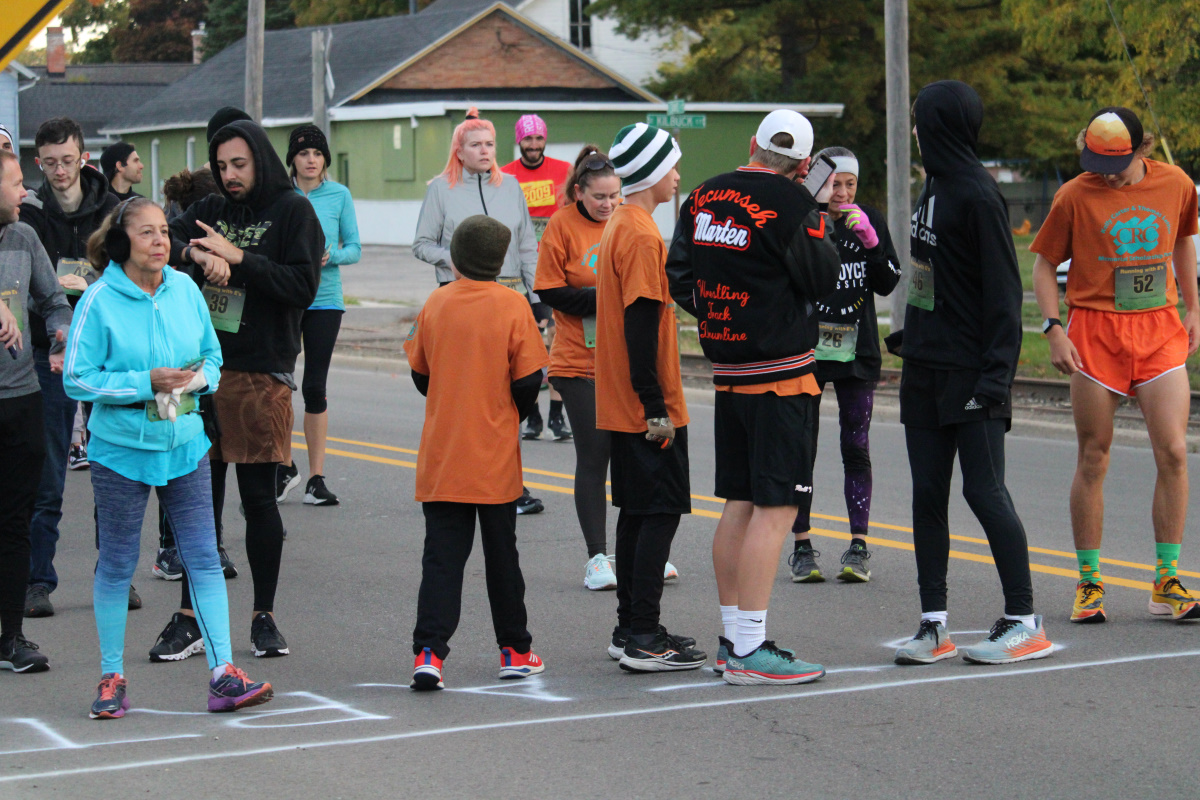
255,21
899,161
320,109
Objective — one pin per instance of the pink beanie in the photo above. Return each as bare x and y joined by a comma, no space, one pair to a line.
530,125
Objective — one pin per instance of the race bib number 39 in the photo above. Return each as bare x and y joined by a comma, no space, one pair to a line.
1139,288
225,306
837,341
920,286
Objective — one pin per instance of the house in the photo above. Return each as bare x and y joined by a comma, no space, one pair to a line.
15,78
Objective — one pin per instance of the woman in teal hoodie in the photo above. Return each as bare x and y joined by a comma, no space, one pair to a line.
308,159
140,348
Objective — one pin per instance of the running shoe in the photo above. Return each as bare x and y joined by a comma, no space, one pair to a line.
598,574
528,504
804,566
1169,597
227,563
21,655
37,601
769,664
135,599
532,429
620,638
1089,603
559,428
168,565
1010,641
854,563
724,648
665,654
427,672
268,641
670,574
111,701
234,690
315,493
77,457
932,643
179,640
286,479
519,665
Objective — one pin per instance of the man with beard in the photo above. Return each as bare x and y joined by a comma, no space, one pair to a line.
70,204
123,168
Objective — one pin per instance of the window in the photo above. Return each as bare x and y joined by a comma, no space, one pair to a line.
191,153
343,162
581,24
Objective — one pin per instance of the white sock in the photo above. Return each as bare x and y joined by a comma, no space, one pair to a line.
934,616
1025,619
751,631
218,672
729,620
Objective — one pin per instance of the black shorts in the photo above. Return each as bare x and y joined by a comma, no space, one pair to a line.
764,446
647,479
935,398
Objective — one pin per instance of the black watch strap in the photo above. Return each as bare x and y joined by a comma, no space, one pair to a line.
1050,323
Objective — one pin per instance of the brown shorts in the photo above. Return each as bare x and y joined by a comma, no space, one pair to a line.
255,414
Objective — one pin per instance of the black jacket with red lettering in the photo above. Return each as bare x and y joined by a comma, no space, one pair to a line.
751,255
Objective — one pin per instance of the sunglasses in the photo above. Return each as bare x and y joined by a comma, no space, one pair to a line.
595,163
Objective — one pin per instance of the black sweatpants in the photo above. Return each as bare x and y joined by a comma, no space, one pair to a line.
449,536
22,450
980,449
592,447
643,546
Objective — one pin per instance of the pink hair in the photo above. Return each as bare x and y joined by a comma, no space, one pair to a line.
454,167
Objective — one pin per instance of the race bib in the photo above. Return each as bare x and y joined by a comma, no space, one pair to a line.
920,285
589,331
837,341
516,284
75,266
225,306
13,303
1139,288
539,226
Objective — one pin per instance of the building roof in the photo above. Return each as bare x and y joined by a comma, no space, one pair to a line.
361,56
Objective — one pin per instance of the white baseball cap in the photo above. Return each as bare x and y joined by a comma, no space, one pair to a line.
786,121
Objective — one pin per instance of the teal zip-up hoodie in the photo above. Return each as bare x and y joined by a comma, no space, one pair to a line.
335,210
119,333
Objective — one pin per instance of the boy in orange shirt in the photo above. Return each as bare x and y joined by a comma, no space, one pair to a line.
477,355
639,398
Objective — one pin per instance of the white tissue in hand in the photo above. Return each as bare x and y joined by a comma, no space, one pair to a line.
165,409
196,384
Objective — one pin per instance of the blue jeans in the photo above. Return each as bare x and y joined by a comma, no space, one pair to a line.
121,508
59,412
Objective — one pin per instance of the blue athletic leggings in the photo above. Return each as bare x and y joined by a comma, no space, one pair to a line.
121,507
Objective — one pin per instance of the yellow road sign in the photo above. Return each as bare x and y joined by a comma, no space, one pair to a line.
21,21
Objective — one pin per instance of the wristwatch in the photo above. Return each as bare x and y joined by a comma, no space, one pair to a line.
1050,323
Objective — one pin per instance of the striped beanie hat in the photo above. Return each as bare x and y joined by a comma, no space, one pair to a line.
642,155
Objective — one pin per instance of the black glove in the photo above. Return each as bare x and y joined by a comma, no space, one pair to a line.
542,312
661,430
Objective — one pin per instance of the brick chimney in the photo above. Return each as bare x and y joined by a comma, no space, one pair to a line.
56,51
198,37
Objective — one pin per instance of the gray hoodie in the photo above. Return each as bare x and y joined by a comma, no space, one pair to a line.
28,283
444,208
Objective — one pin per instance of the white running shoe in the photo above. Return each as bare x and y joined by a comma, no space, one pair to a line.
599,575
670,574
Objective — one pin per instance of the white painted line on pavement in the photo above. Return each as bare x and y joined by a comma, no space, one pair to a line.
980,673
63,743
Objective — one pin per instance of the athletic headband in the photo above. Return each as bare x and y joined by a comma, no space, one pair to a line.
845,164
530,125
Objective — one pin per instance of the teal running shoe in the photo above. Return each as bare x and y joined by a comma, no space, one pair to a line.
932,643
1010,641
724,648
769,665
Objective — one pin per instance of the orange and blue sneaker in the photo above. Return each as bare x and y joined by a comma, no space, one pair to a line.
1169,597
427,672
930,644
1010,641
519,665
1089,603
111,702
234,690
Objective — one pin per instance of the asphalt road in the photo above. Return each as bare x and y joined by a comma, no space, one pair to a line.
1110,714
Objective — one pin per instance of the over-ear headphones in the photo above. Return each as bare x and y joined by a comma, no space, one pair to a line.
116,240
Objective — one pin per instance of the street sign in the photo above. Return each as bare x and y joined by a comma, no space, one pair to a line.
675,107
676,120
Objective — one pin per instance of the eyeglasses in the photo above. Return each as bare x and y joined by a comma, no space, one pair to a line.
51,166
596,163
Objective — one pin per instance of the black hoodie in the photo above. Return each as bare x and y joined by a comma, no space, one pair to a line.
962,238
65,235
282,244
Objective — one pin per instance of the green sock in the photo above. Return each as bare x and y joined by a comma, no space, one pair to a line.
1168,559
1089,565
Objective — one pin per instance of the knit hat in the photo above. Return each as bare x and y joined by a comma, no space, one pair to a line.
114,154
304,137
223,117
530,125
642,155
7,134
478,247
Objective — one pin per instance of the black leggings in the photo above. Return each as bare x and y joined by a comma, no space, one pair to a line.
592,448
980,448
319,329
264,528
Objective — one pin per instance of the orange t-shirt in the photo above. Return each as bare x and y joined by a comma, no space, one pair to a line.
632,264
1111,235
801,384
567,257
473,339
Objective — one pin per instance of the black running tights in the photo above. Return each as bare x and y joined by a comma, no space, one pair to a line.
592,448
980,449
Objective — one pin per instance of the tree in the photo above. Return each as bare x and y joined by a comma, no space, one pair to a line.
157,30
328,12
226,22
98,19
